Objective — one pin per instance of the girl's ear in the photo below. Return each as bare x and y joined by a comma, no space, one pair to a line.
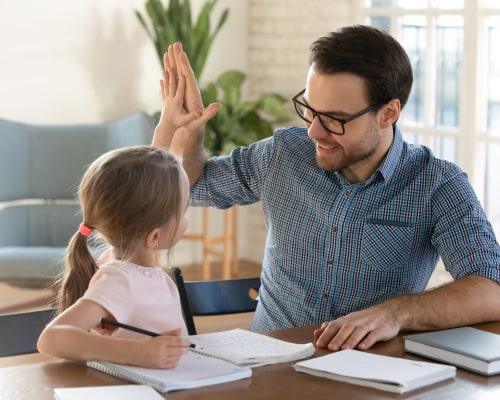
390,113
153,239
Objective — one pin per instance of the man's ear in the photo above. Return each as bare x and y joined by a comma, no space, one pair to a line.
390,113
153,239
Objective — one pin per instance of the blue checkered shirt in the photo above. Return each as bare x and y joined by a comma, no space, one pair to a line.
334,247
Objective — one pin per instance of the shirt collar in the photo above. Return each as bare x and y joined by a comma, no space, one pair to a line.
388,166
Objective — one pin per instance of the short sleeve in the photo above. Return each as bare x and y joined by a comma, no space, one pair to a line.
111,289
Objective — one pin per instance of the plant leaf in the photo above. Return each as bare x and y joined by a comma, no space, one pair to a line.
273,105
238,123
209,94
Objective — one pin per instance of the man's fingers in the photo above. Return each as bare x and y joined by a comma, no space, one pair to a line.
211,110
187,118
350,340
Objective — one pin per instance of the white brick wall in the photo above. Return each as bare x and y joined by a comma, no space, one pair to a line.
280,33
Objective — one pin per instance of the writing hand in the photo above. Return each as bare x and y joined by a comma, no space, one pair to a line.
164,351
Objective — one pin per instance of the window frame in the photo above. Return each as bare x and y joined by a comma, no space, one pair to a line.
471,138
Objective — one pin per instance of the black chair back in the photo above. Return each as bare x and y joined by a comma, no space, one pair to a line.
199,298
19,332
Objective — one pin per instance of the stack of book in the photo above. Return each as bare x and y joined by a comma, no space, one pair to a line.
466,347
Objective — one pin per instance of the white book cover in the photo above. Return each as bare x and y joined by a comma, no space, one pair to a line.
465,347
122,392
392,374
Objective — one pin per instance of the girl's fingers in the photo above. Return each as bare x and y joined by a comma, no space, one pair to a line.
162,89
165,60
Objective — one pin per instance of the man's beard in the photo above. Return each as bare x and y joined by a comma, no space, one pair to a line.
356,155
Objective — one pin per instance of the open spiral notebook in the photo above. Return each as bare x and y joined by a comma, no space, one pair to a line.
251,349
193,370
218,357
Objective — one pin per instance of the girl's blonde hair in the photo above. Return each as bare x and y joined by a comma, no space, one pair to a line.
124,195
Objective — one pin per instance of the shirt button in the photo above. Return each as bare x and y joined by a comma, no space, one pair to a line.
347,193
324,296
329,263
334,228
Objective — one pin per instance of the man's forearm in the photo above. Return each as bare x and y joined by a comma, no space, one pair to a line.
467,301
194,164
189,147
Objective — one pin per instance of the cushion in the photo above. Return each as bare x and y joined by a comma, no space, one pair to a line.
47,161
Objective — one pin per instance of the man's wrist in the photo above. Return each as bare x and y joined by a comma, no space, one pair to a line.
401,309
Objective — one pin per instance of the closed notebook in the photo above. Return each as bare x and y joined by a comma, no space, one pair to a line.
391,374
193,370
122,392
246,348
465,347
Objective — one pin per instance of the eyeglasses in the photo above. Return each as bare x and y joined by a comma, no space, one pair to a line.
331,124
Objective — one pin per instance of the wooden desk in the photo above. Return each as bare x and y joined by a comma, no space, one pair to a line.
36,379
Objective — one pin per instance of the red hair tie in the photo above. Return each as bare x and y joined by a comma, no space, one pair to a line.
85,230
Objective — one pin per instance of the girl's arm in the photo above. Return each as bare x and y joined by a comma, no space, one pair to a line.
69,336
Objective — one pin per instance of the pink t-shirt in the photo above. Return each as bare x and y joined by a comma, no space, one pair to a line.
140,296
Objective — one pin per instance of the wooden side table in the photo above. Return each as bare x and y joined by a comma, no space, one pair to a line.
224,247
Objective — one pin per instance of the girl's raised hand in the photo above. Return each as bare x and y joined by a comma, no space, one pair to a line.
182,105
173,115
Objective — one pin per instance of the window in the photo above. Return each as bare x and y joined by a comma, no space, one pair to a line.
454,107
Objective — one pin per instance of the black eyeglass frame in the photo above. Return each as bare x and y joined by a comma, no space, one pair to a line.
342,121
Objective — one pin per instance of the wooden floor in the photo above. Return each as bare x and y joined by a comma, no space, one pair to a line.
16,299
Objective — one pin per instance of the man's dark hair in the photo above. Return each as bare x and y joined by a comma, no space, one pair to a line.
370,53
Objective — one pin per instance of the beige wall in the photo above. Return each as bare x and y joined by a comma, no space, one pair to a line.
90,61
85,61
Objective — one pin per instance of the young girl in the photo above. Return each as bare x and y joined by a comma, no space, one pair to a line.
136,199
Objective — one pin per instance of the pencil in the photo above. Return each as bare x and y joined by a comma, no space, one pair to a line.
106,321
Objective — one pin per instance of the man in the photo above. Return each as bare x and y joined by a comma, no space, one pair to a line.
356,217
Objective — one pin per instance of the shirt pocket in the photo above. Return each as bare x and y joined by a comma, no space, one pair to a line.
386,244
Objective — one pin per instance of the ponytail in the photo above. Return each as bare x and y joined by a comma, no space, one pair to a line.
80,267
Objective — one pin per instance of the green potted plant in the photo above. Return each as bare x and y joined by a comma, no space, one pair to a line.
173,22
239,122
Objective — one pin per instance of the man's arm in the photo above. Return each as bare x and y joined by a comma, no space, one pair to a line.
194,157
188,140
466,301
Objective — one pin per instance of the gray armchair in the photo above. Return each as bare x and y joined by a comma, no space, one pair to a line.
40,167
